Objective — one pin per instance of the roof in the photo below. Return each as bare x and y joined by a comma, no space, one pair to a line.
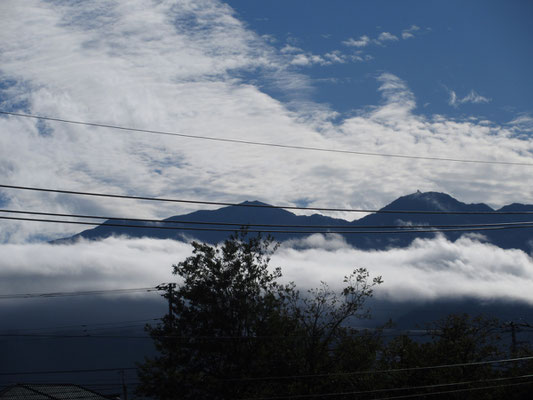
49,391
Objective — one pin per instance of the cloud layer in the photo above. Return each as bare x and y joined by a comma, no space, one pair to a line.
433,269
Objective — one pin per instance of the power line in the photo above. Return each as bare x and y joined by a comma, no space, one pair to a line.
407,396
68,371
73,336
109,385
101,386
16,333
88,325
265,144
67,333
86,331
100,380
375,371
253,205
180,228
181,337
216,223
358,331
381,371
96,384
394,389
90,330
77,293
106,387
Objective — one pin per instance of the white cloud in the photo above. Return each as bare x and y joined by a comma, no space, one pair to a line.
387,37
472,97
269,38
408,33
397,95
383,37
361,42
113,263
299,57
365,40
358,56
335,57
304,60
427,270
475,98
523,122
308,59
290,49
178,67
453,98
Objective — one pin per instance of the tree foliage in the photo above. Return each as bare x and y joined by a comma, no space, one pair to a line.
235,332
232,321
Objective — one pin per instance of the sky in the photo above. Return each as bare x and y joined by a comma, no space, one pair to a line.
459,58
420,78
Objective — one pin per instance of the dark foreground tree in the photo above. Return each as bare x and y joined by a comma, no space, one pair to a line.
464,347
235,332
232,323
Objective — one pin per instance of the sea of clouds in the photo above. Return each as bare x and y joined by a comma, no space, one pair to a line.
429,269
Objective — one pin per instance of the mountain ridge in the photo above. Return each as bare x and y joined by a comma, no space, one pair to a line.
418,201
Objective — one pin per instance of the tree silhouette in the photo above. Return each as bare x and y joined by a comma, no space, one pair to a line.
232,322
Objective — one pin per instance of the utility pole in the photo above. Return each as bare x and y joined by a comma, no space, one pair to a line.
124,387
169,288
514,328
513,337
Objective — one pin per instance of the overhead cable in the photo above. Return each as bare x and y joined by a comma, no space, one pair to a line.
381,371
265,144
15,333
87,325
394,389
72,336
77,293
255,205
216,223
351,232
68,371
410,396
375,371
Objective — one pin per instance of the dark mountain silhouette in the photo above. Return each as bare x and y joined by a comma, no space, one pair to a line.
428,201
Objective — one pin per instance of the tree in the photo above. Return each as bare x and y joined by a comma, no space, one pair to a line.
461,342
232,322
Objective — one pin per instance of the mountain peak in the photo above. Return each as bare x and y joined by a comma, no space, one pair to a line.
433,201
431,197
253,203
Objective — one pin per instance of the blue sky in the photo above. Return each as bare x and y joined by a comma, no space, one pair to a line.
484,46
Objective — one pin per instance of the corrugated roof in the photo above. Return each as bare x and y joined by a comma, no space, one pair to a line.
48,392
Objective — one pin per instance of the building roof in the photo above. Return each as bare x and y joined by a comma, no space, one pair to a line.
49,391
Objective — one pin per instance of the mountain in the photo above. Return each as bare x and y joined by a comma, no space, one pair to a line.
256,213
434,201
